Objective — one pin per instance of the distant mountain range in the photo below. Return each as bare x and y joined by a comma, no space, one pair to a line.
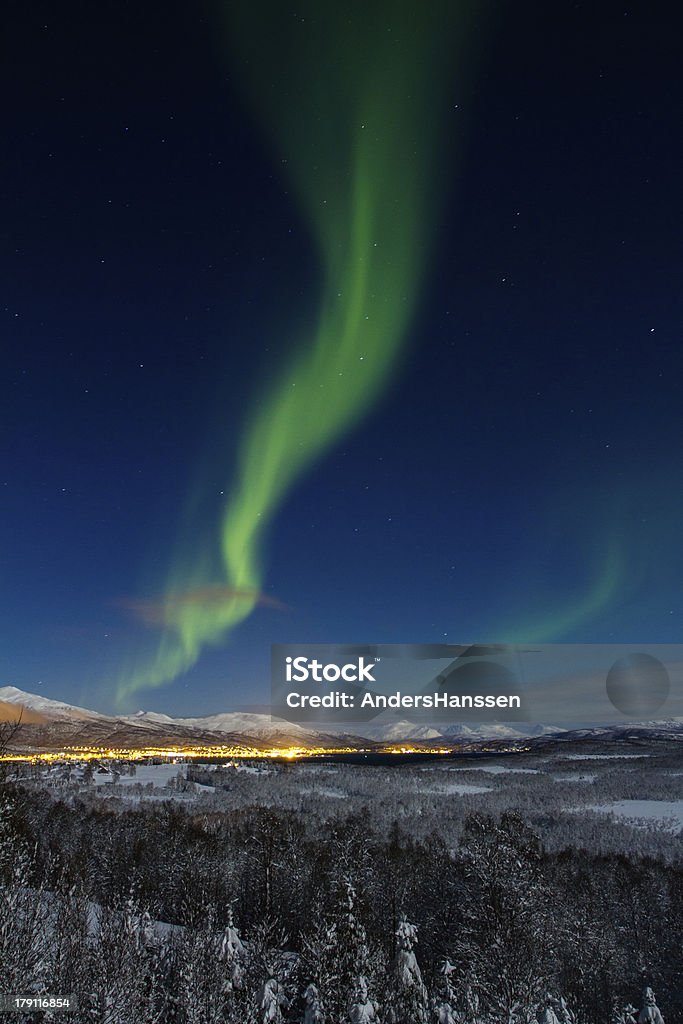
47,724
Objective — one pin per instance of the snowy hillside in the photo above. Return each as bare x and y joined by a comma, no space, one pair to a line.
48,723
398,731
244,722
48,707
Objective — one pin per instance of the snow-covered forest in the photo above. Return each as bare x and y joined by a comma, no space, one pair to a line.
339,894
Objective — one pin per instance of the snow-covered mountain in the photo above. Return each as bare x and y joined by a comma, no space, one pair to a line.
48,723
666,729
494,730
396,732
500,730
251,724
244,722
258,726
45,705
142,718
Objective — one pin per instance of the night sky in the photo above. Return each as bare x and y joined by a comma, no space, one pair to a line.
517,477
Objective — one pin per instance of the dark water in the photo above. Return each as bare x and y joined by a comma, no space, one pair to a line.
388,760
400,759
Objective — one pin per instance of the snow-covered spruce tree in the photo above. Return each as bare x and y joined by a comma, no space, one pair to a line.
232,956
444,1001
564,1014
626,1015
270,970
208,967
554,1010
270,1002
650,1013
444,1013
545,1014
363,1009
408,1001
337,952
313,1009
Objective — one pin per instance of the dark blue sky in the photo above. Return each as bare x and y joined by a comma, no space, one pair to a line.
153,261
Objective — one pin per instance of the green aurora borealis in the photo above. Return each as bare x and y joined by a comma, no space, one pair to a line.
351,98
351,105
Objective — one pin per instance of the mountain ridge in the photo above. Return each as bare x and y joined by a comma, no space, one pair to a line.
51,722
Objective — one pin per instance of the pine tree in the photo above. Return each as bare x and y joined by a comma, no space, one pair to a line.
444,1001
232,956
363,1009
313,1010
338,953
650,1013
210,967
627,1015
408,1001
271,1001
545,1014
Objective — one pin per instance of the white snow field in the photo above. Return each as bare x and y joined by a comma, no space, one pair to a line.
158,774
603,757
499,769
666,814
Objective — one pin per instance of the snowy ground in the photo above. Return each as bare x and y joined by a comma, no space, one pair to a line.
499,769
602,757
667,814
158,774
459,788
